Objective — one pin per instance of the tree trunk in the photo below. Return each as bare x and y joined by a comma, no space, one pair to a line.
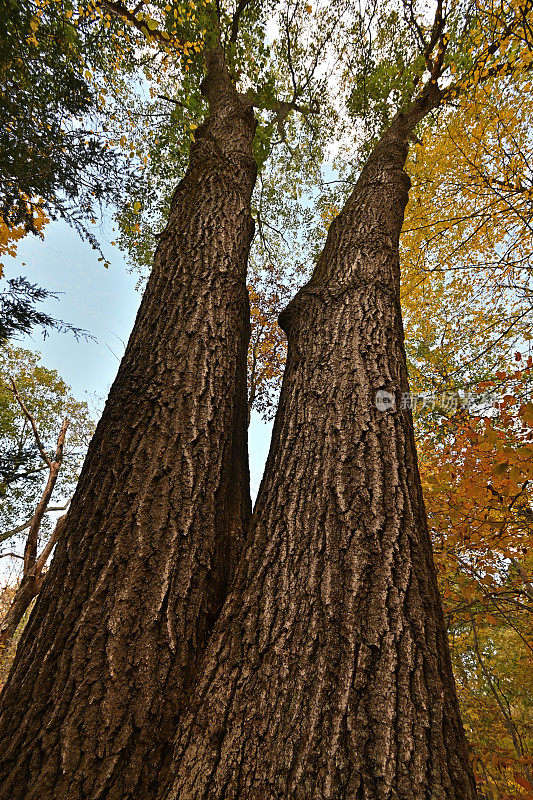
24,594
31,577
327,674
29,587
157,522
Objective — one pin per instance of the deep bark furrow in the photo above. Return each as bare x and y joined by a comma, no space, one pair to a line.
327,674
158,519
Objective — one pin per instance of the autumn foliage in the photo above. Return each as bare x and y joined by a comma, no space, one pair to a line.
477,475
11,236
466,272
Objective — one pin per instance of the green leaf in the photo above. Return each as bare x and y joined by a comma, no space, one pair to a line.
500,468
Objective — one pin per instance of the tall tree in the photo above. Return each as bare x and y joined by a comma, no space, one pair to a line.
155,526
159,516
328,672
22,469
33,566
335,620
466,285
38,475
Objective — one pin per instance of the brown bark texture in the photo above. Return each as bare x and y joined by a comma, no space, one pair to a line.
327,675
158,518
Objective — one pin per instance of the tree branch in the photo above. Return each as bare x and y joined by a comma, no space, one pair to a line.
31,420
24,525
30,551
171,100
119,10
243,4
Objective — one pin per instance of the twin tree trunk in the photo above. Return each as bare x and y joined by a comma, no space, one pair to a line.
155,528
326,674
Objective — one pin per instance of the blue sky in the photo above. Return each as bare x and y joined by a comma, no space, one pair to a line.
103,302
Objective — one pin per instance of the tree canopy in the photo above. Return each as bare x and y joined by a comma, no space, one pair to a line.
49,400
56,160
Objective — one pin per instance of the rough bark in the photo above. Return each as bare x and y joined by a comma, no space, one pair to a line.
327,674
158,518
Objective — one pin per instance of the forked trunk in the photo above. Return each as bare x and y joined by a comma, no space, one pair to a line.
328,674
157,522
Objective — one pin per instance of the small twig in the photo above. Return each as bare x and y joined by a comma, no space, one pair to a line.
172,100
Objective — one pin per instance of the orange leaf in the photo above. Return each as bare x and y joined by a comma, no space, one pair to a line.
523,782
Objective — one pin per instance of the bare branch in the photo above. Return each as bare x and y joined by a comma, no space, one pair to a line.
24,525
43,558
31,420
30,586
30,551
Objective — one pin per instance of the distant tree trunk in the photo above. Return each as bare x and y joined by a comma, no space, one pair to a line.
28,589
32,577
158,518
328,674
